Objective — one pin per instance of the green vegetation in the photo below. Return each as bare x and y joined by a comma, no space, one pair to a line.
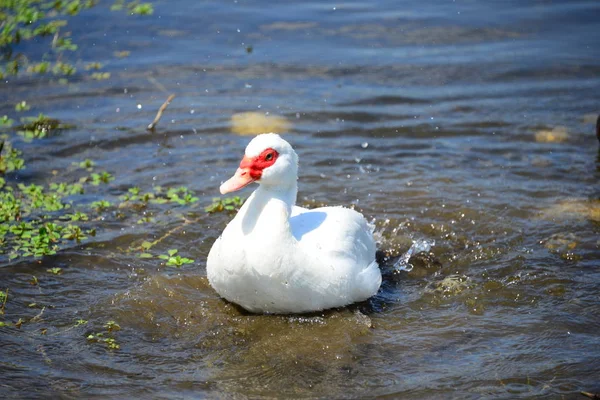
100,76
180,195
174,260
37,127
102,177
22,106
134,7
101,205
86,164
10,160
55,270
30,222
112,326
36,220
106,336
6,122
230,204
3,300
46,22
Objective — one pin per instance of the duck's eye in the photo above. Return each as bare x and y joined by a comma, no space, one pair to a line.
269,157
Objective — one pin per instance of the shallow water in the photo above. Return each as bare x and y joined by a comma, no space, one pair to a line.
432,118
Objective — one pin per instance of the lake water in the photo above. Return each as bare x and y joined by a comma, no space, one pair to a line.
468,125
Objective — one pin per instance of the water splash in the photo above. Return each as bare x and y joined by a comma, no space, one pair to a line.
418,246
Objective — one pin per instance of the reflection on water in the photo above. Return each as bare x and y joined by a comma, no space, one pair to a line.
466,125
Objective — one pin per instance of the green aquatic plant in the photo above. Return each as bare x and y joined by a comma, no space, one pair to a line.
66,189
175,260
146,219
86,164
54,270
133,194
38,127
100,76
229,204
25,227
3,300
6,122
46,22
180,195
22,106
101,205
102,177
73,232
99,337
134,7
77,216
93,66
106,336
10,158
112,326
36,220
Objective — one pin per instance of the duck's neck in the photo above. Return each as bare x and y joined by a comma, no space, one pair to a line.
286,195
268,210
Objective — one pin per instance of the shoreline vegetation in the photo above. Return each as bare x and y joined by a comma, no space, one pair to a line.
45,22
38,220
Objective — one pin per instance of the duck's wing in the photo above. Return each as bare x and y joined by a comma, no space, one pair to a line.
335,230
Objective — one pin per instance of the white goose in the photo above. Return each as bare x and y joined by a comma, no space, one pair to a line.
275,257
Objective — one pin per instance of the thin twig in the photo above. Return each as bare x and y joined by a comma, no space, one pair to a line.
160,112
42,351
38,316
591,395
158,85
172,231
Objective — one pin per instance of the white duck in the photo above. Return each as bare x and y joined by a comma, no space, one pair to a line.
275,257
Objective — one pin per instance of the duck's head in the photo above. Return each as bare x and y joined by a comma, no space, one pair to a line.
269,160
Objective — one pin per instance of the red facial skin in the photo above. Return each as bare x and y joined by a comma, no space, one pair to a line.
255,166
250,170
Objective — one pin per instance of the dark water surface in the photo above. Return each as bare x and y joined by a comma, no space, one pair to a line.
435,118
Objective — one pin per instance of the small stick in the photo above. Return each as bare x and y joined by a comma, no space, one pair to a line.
38,316
158,85
160,112
186,222
590,395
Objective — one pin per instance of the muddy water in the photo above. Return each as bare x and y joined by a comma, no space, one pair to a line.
466,125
